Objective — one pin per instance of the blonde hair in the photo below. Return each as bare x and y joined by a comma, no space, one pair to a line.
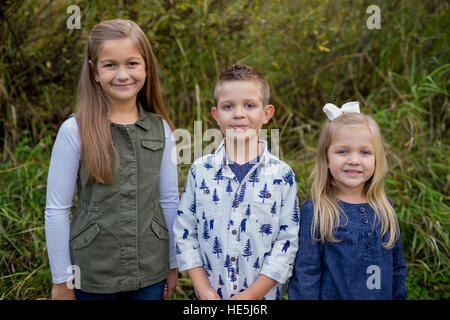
96,147
327,212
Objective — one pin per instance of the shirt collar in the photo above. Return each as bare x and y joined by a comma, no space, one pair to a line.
220,156
143,121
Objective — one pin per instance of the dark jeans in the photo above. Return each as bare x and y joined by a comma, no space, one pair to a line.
152,292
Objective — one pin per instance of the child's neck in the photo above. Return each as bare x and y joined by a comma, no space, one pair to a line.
352,197
123,113
242,151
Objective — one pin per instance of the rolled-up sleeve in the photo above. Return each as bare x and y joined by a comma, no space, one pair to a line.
185,229
278,265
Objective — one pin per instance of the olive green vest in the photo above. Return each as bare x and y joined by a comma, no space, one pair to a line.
118,235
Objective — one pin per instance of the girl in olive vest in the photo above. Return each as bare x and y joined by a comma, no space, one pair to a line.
117,150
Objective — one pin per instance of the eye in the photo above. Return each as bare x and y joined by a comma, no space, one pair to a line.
133,63
249,105
366,153
109,65
227,106
341,151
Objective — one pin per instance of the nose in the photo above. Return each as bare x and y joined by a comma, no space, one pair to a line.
239,112
353,158
122,73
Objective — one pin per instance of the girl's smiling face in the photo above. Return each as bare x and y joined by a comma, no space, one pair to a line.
351,159
120,70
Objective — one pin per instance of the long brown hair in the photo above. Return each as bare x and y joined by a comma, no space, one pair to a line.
96,147
327,212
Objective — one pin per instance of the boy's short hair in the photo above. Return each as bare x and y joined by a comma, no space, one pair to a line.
239,72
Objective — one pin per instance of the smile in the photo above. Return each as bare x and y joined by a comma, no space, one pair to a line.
352,173
126,85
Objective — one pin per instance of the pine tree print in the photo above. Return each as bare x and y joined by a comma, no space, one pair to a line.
254,177
289,178
179,212
273,210
215,197
232,275
218,176
247,250
211,224
193,171
265,229
256,264
203,185
193,206
248,212
278,294
263,193
185,233
245,283
221,283
219,292
229,189
208,164
242,192
205,230
203,215
217,249
295,214
227,264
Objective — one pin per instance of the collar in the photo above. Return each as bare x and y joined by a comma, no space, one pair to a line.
220,156
143,121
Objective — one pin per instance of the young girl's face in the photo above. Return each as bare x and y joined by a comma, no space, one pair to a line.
120,70
351,159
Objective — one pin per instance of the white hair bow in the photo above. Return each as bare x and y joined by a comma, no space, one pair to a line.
333,112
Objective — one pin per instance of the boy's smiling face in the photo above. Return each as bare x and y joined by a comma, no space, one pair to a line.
240,111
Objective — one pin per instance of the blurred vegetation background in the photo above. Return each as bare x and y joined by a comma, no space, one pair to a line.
311,51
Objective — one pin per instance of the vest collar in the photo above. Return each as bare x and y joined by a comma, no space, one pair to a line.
143,121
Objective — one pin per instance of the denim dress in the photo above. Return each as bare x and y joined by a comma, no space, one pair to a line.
357,267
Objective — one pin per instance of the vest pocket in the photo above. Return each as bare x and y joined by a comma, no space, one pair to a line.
159,230
152,152
85,237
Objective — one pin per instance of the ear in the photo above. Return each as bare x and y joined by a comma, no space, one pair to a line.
94,74
214,114
269,110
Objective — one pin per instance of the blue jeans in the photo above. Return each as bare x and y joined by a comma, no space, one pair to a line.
152,292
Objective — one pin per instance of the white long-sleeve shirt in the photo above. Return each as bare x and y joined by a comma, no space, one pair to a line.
62,177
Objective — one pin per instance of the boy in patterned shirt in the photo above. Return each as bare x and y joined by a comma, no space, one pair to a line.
236,231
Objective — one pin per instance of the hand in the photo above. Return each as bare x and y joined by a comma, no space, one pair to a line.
208,294
61,291
244,295
171,283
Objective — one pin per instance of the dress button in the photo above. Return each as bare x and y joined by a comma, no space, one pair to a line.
233,259
85,240
362,209
234,232
236,203
367,245
365,220
368,233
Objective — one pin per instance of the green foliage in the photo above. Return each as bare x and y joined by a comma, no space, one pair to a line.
312,52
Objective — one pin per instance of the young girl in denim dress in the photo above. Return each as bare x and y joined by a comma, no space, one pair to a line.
349,238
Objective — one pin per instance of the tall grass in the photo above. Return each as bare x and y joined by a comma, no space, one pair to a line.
312,52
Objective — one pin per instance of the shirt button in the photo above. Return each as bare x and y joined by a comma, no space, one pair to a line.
362,209
234,232
207,191
233,259
85,240
268,195
236,203
365,220
234,287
